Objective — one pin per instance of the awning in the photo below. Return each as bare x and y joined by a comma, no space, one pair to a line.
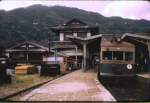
86,38
139,35
72,53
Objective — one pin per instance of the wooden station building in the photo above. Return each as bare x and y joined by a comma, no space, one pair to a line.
27,52
75,49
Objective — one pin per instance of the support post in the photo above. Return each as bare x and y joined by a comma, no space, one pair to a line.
148,62
55,56
49,48
27,58
76,57
27,55
84,56
148,44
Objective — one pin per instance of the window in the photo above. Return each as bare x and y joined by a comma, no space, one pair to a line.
117,55
61,36
82,34
88,34
18,56
128,56
75,34
107,55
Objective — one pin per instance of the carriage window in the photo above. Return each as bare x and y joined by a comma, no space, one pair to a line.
117,55
107,55
128,56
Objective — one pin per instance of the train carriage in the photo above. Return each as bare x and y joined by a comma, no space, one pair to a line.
117,57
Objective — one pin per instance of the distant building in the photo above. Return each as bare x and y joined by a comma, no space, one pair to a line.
74,49
27,52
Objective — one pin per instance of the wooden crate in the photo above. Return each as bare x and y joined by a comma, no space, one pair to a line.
25,69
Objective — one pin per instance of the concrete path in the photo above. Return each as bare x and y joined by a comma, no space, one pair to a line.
76,86
144,75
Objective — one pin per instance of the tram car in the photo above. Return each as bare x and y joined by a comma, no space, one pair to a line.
117,58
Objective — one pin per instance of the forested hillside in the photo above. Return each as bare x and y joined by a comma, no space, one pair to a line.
32,23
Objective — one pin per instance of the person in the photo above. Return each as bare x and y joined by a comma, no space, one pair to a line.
39,68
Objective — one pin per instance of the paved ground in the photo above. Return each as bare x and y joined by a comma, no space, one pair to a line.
145,75
76,86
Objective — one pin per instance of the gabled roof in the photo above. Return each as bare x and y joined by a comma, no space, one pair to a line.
137,35
111,42
41,48
74,24
75,21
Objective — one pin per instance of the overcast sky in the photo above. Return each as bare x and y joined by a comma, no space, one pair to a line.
126,9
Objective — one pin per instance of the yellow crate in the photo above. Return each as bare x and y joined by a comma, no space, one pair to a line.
25,69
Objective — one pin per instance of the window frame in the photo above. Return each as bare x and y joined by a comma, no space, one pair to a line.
124,57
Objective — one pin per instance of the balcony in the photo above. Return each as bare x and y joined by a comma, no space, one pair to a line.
62,44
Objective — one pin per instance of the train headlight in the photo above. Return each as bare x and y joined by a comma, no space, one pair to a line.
129,66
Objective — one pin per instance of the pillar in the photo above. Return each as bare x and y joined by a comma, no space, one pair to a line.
84,56
76,57
27,55
148,61
148,45
55,56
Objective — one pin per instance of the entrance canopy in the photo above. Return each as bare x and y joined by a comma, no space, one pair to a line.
84,42
137,35
87,39
72,53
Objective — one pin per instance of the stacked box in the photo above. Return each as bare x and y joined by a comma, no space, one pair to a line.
25,69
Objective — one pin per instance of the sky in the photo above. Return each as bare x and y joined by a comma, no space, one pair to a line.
126,9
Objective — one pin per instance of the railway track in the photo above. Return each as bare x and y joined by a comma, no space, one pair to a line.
17,95
127,89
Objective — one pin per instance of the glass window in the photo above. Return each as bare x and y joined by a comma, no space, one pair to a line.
18,56
117,55
107,55
128,56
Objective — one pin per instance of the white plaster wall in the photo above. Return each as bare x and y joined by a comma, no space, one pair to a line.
61,36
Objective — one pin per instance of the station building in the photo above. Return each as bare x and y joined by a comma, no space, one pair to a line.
81,43
76,42
78,46
27,52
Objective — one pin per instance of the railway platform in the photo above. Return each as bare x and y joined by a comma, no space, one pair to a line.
144,75
144,78
76,86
